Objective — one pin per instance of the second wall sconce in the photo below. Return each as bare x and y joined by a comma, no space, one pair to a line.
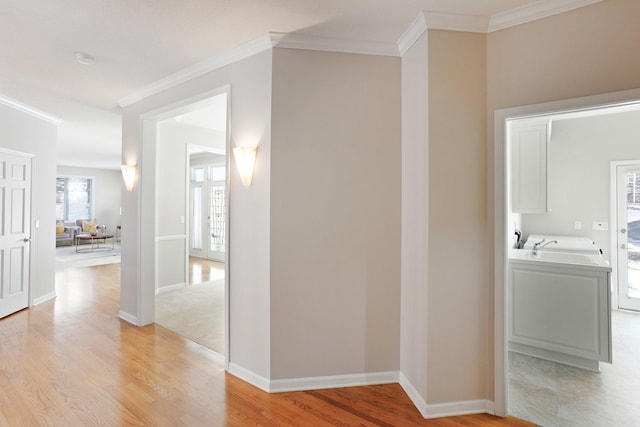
246,160
129,176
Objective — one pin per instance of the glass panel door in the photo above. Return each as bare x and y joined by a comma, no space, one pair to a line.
217,221
208,222
629,237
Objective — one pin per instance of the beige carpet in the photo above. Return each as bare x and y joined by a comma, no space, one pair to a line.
195,312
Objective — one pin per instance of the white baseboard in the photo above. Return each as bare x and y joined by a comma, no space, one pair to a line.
437,410
249,376
170,288
452,409
414,395
449,409
333,381
128,317
44,298
312,383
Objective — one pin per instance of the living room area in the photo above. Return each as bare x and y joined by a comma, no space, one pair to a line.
87,216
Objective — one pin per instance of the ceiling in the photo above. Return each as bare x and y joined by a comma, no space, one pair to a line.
138,42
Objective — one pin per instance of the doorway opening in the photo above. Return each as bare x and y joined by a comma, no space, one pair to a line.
192,222
550,404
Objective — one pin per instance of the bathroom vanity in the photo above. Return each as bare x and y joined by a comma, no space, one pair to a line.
559,307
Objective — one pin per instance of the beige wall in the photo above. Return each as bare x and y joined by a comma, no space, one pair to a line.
28,134
335,214
250,101
415,217
459,295
587,51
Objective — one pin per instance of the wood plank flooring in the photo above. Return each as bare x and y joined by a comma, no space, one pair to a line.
72,362
203,270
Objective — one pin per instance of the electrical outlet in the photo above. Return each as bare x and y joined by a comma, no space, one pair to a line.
577,225
600,226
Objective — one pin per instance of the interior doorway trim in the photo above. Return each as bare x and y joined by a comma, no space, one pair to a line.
149,196
579,106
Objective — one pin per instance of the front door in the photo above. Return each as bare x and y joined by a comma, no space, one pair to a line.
15,232
628,236
208,225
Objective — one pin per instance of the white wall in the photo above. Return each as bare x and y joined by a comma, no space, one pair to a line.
415,218
171,152
335,214
579,160
28,134
107,186
250,101
172,141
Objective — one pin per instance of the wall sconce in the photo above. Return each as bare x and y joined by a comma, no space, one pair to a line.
129,175
246,160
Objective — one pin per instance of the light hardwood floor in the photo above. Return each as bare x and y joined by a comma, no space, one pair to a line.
204,270
72,362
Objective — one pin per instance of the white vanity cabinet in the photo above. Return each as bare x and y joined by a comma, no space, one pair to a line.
560,308
529,142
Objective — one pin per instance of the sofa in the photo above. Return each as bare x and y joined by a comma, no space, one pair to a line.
66,232
91,225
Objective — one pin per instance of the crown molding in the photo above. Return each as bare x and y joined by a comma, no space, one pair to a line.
17,105
260,44
535,11
412,34
243,51
457,22
298,41
483,24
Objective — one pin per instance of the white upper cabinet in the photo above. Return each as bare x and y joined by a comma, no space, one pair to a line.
529,143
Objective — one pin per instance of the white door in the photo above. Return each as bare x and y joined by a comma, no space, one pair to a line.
15,231
628,212
208,225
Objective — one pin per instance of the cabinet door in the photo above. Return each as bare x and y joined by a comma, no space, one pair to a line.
529,168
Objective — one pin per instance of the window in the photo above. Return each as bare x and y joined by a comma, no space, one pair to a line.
633,188
74,198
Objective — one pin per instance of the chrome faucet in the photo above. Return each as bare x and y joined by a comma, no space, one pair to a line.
539,245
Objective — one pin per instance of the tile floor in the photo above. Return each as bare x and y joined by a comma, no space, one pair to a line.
552,394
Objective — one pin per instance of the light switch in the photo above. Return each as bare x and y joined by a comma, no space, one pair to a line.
577,225
182,219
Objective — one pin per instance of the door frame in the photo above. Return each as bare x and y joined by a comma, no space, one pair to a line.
579,106
146,289
615,300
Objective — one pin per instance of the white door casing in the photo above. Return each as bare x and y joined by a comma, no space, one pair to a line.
15,231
